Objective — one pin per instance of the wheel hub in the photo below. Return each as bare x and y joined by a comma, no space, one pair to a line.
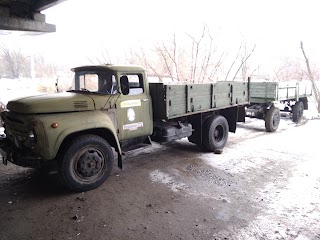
218,133
276,119
90,163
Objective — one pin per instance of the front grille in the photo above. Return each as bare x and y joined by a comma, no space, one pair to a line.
16,127
15,120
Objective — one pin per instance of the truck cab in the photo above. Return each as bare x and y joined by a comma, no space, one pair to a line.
107,107
123,93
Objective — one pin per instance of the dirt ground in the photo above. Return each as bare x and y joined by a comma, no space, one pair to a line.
263,186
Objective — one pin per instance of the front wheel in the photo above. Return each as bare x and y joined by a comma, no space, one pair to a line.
215,133
272,119
87,163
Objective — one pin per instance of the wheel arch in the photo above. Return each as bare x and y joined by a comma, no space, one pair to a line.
104,133
199,120
86,164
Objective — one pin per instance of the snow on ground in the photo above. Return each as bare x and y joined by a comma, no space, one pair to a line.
16,88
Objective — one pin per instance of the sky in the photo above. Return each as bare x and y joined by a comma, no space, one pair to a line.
86,28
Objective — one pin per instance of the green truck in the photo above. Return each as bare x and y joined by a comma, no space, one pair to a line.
113,109
265,97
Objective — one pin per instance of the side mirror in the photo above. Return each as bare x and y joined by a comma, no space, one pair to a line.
124,83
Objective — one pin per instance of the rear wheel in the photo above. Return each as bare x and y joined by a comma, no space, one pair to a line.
87,163
272,119
297,112
215,133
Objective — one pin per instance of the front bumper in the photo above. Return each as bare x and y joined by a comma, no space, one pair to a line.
20,156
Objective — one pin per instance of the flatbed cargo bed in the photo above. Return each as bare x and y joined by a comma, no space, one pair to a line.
267,97
177,100
267,92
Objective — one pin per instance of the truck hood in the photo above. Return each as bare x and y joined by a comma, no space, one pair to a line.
49,103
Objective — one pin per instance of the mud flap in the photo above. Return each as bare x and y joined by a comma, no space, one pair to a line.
231,114
241,114
148,141
5,154
119,160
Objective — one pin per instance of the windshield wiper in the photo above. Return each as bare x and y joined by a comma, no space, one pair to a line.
81,90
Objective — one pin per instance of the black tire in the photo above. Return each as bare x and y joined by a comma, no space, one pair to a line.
297,112
215,133
87,163
272,119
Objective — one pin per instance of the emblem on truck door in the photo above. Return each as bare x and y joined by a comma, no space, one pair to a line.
131,114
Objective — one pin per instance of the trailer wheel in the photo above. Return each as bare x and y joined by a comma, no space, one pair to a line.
272,119
297,112
215,133
86,164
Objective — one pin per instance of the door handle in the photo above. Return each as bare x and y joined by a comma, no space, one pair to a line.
145,100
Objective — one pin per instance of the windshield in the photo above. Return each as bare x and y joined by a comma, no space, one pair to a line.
95,82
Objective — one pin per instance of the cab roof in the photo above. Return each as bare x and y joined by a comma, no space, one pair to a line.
109,67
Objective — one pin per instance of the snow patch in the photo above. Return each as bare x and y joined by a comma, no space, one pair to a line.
164,178
296,206
240,163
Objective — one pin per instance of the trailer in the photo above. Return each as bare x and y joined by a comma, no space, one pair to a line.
265,97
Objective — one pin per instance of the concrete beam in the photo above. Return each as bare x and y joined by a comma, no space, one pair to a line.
36,24
19,24
45,4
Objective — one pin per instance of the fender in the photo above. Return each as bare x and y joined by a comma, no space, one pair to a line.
72,123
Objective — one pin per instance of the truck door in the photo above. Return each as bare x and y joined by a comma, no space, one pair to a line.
135,118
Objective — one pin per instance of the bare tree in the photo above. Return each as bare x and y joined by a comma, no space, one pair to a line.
191,58
311,77
234,61
105,58
167,58
170,58
243,64
216,67
199,67
196,45
141,58
15,63
290,69
242,59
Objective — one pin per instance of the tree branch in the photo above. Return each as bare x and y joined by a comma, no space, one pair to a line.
245,60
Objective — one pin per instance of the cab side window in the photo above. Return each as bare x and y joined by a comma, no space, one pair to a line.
135,83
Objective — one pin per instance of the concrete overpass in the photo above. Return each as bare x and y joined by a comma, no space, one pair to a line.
25,16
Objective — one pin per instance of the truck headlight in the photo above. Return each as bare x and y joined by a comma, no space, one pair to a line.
31,139
31,135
